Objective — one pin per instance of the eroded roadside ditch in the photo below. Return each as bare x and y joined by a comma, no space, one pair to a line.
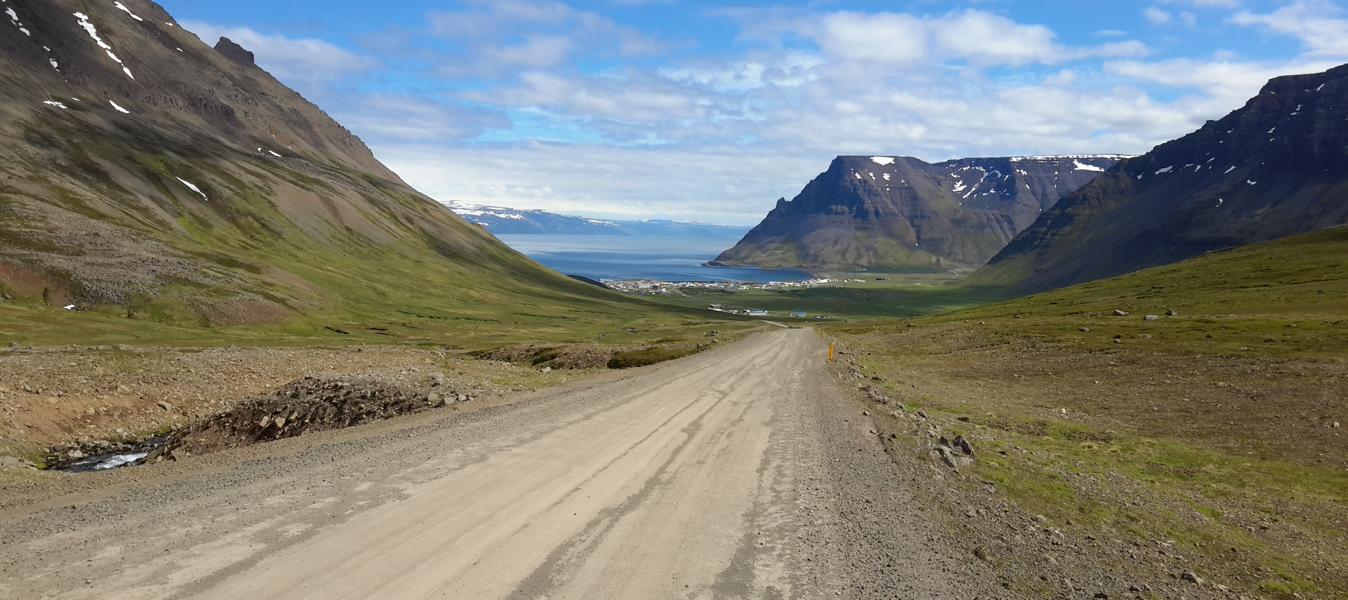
309,404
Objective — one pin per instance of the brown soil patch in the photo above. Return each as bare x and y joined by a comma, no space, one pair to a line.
74,395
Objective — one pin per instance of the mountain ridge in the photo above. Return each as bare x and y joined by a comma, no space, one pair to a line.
876,212
153,174
1271,168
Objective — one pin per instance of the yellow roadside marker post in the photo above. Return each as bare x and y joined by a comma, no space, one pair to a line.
831,351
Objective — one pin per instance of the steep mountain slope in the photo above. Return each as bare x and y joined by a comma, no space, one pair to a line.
1275,167
501,220
905,214
145,170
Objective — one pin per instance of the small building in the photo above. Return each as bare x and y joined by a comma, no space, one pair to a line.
799,314
757,312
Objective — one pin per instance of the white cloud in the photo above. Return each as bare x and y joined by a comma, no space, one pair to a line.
732,186
641,100
1318,24
978,37
791,69
1208,3
498,35
396,118
534,52
998,40
1156,16
878,38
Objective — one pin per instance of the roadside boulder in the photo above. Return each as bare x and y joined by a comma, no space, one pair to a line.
1120,313
435,398
948,458
963,445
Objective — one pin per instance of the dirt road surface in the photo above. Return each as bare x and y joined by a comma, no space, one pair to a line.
742,472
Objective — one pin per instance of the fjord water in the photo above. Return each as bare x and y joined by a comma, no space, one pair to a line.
641,257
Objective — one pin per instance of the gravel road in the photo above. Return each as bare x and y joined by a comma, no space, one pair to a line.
742,472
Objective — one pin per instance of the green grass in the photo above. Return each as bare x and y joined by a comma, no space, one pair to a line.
1285,298
1187,480
1118,469
899,295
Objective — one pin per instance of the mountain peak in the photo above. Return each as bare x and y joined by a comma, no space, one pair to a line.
231,50
900,212
1273,168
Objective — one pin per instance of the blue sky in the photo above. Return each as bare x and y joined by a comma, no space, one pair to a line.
711,111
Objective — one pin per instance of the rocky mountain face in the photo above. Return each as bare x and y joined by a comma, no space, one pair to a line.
888,213
1277,166
141,166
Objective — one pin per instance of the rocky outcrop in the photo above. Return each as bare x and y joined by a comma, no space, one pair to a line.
235,52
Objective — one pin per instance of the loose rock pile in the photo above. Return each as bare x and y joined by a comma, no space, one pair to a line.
955,454
315,404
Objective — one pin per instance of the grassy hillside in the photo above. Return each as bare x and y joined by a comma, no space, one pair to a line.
1207,440
281,253
1286,298
205,203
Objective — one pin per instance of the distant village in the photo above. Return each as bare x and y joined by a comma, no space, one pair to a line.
649,287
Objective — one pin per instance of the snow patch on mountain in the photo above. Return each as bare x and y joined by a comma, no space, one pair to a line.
123,8
193,187
83,20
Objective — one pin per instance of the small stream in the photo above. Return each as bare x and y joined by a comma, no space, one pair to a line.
122,457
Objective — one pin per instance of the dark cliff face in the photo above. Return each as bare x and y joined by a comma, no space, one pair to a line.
144,62
902,213
235,52
1276,167
139,165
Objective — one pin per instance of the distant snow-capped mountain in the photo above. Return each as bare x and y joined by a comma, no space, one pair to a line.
511,221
